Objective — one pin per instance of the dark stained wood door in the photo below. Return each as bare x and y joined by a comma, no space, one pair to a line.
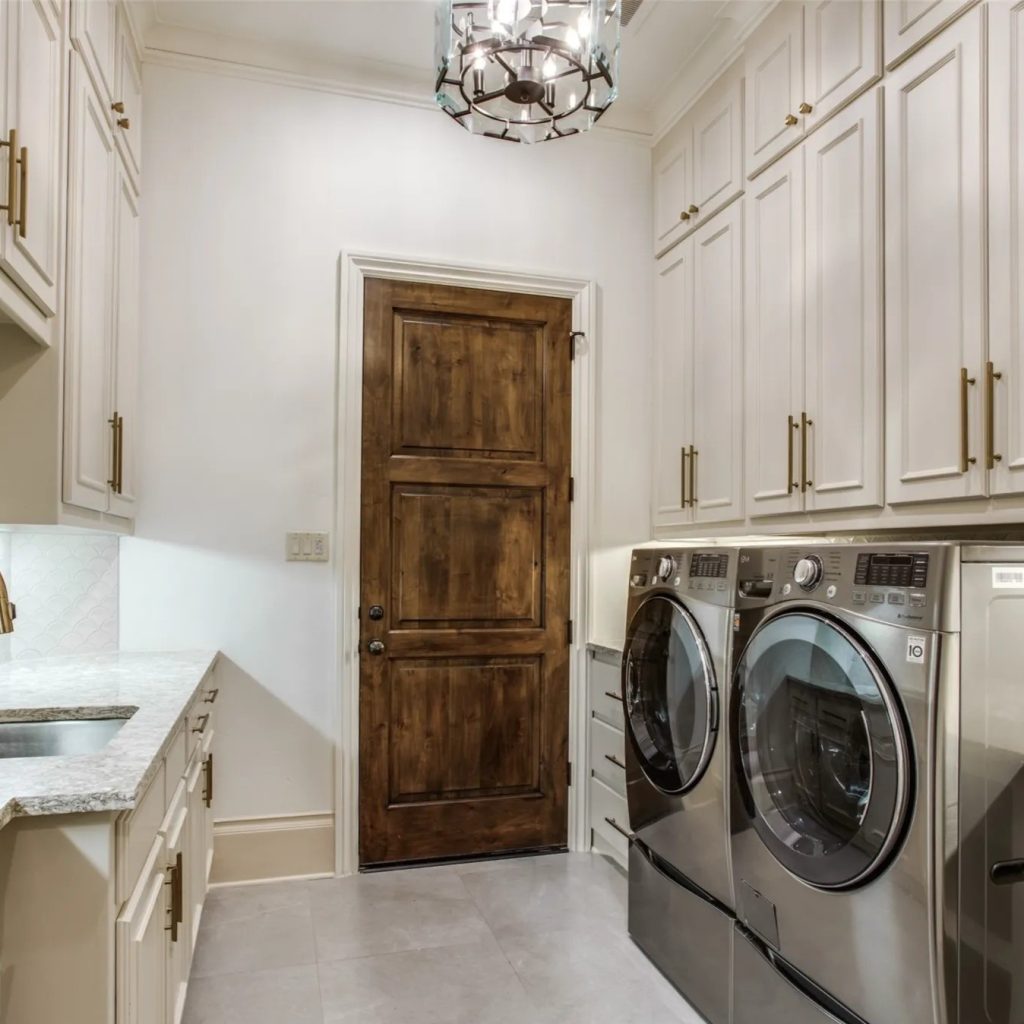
464,709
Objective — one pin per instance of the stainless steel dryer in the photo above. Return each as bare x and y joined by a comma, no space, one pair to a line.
674,689
845,680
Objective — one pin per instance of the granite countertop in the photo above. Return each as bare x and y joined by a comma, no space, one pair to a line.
154,689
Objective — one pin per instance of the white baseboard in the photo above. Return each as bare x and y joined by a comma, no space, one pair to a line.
272,848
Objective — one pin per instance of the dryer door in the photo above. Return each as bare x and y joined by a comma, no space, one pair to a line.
822,748
669,694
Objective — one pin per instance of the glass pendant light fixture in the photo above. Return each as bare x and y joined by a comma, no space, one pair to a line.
527,70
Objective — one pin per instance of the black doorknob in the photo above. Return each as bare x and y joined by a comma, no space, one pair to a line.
376,612
375,646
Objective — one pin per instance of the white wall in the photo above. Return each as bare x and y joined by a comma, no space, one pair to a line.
251,192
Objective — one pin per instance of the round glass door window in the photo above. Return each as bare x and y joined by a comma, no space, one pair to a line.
671,700
823,750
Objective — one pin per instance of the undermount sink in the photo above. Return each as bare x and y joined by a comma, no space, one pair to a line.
54,739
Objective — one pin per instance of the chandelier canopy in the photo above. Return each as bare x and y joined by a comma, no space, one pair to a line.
527,70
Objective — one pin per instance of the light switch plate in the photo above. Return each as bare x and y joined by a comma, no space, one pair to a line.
308,547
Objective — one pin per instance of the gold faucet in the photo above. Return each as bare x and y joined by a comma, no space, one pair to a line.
6,609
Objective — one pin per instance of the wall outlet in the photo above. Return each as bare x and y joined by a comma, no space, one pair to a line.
308,547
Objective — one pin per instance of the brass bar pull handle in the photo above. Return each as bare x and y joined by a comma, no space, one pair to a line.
11,144
212,695
614,696
791,426
805,423
120,455
966,459
112,482
201,723
991,376
618,828
682,477
208,794
615,761
23,193
693,475
177,900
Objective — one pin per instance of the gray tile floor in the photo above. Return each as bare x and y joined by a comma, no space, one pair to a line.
539,940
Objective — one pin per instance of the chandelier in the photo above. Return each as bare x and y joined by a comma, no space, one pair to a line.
527,70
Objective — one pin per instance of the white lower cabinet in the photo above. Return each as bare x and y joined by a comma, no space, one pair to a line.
606,774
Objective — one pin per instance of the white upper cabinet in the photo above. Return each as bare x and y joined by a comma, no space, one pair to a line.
32,79
672,184
94,33
842,54
1004,378
717,368
774,343
775,86
127,105
717,124
909,23
843,402
935,268
673,384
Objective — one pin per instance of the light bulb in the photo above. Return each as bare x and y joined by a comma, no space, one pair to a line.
506,11
480,63
550,68
572,39
584,25
572,100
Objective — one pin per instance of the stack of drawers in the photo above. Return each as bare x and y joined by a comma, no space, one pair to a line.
609,816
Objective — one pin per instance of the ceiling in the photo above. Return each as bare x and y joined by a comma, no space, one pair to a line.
388,45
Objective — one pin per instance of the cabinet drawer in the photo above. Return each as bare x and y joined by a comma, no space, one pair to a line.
135,833
176,760
606,692
608,755
608,814
202,716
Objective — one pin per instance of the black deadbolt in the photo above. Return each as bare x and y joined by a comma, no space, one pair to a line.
376,612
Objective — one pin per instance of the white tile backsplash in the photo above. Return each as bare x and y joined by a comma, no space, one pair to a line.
65,589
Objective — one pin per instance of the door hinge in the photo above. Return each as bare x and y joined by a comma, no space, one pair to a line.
572,488
573,335
568,632
568,769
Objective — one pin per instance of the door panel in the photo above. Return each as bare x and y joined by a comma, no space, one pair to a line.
909,23
464,713
935,268
842,53
129,77
844,307
718,366
718,146
1006,245
774,343
672,187
775,87
673,384
93,31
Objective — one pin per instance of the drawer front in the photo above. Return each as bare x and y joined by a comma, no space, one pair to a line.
609,814
176,760
608,756
606,692
202,714
135,833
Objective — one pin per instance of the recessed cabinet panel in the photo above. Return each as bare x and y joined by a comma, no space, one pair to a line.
128,122
844,307
672,186
673,383
774,87
935,268
89,299
1004,435
909,23
774,340
94,33
34,85
718,367
842,53
718,147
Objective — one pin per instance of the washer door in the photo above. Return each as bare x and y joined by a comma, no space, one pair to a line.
823,750
670,695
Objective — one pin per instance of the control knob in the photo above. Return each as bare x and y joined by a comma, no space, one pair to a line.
666,566
808,572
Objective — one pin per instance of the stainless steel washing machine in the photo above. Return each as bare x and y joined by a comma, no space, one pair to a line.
845,696
675,670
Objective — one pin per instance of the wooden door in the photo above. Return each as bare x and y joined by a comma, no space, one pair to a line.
718,146
774,342
842,53
909,23
1005,398
673,174
34,87
673,386
465,572
843,174
775,87
718,368
935,268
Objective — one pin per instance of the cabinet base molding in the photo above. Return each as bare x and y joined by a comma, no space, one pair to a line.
269,849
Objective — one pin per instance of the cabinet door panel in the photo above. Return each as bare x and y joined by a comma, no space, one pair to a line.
909,23
673,382
672,177
1006,242
935,260
179,949
34,90
94,33
774,337
125,349
775,86
844,309
718,147
842,53
87,445
718,367
129,77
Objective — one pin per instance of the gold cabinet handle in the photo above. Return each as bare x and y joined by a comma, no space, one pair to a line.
203,721
805,107
790,120
114,451
683,455
991,376
208,793
791,426
118,107
123,122
805,423
684,216
177,908
694,210
12,207
966,459
120,455
23,194
693,475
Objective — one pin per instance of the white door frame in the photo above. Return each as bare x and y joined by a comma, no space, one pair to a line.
354,268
